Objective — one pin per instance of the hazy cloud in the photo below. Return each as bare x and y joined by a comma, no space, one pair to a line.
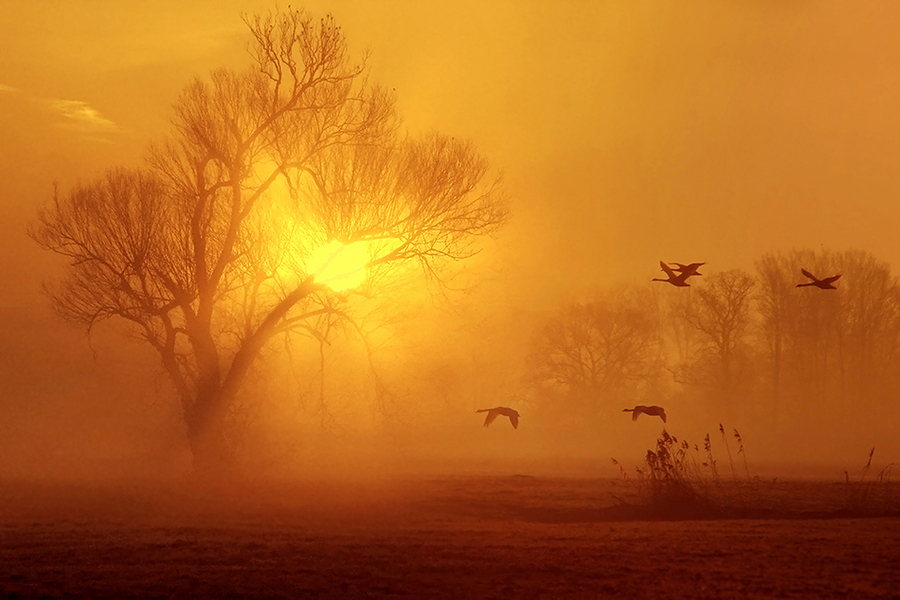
81,115
76,114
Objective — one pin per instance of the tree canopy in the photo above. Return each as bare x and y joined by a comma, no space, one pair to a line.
207,248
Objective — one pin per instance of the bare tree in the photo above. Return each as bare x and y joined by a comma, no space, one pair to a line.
720,311
205,250
775,284
835,349
588,352
870,317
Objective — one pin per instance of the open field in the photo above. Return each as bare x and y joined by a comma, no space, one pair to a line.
465,536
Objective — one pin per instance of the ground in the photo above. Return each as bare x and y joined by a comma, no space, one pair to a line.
446,537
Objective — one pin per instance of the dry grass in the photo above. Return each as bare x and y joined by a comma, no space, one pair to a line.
868,495
679,481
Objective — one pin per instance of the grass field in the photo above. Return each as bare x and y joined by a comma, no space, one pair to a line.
448,537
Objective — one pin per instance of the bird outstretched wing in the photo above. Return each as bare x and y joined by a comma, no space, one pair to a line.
492,414
668,270
808,274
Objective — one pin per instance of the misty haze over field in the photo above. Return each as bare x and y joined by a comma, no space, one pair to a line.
759,139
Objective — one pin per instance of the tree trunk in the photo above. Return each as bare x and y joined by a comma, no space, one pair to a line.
205,417
212,455
210,452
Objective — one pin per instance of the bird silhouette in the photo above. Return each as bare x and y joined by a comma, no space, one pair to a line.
653,411
825,284
688,270
492,414
679,280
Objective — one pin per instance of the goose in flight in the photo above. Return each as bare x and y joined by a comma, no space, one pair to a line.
500,410
653,411
679,280
688,270
825,284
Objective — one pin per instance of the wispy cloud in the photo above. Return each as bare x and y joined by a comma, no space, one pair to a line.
75,115
81,115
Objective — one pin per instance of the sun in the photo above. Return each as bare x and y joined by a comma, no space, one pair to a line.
339,266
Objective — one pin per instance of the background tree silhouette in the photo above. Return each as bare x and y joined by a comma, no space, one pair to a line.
834,350
792,362
204,250
591,355
720,313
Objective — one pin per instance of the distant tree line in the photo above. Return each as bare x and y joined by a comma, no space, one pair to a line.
735,344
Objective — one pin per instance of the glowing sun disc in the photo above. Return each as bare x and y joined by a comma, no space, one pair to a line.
339,266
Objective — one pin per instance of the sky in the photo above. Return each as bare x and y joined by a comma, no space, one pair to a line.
627,132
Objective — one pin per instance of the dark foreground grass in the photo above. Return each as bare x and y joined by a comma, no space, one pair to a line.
448,537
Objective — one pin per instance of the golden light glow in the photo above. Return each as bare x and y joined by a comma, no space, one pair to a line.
339,266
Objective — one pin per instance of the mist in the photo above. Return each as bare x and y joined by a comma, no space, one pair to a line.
626,135
266,270
99,407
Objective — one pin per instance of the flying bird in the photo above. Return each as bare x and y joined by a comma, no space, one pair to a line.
492,414
688,270
679,280
825,284
653,411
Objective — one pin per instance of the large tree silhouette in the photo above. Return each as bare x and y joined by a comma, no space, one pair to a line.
204,250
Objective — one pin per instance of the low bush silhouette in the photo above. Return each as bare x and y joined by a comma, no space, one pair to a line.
679,480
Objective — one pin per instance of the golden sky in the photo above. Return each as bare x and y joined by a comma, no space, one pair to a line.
628,132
